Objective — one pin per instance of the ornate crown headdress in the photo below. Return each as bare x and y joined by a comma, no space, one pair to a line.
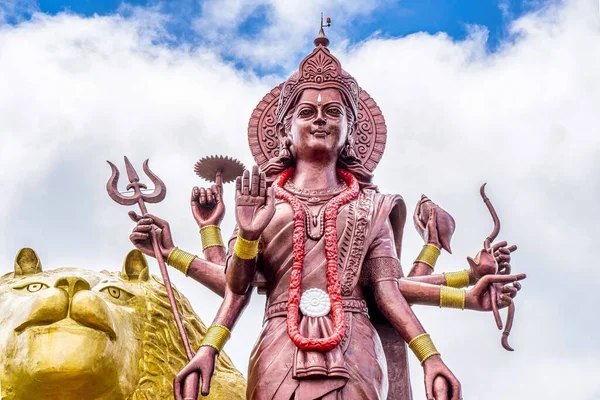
320,69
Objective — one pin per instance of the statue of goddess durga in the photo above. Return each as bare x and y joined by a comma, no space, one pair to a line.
316,236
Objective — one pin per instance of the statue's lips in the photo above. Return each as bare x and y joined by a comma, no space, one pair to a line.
66,324
319,134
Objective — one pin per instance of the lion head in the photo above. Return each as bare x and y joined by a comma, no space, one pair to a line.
71,333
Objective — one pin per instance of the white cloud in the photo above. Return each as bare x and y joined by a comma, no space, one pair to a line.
78,91
288,27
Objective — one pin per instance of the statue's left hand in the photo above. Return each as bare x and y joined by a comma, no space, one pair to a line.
491,262
202,363
502,255
444,222
479,297
434,368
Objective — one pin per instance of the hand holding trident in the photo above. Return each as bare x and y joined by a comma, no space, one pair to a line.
190,389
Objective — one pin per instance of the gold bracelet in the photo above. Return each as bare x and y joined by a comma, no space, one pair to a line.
211,236
180,260
423,347
245,249
458,279
216,337
428,255
452,298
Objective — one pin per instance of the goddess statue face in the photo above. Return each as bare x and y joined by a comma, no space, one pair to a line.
319,125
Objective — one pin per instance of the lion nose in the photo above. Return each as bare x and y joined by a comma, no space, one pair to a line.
72,285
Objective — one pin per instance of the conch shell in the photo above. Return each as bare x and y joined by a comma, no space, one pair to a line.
445,222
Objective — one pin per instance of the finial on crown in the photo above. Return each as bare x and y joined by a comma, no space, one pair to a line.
321,39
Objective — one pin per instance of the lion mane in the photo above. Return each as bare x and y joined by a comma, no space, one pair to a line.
164,354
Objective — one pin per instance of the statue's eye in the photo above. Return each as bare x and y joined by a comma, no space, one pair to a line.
35,287
305,112
334,111
117,293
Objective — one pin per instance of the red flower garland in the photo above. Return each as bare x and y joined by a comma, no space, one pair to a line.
334,288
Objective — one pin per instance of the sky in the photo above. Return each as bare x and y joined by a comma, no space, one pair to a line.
504,92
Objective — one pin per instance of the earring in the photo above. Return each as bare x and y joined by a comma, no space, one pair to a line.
348,151
284,149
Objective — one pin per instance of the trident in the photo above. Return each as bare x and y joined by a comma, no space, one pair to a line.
157,195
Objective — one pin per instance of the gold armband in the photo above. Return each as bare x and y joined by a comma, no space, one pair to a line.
180,260
458,279
452,298
245,249
211,236
216,337
428,255
423,347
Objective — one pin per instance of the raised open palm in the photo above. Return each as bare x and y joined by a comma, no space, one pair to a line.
254,204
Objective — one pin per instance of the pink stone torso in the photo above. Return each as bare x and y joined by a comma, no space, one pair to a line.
356,369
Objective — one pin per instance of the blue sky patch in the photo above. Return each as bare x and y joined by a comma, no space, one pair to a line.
390,19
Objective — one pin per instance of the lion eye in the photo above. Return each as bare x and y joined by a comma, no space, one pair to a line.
35,287
117,293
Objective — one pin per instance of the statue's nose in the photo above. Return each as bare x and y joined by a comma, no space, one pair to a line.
72,285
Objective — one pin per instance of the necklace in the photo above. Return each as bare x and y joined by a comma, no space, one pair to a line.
331,255
315,195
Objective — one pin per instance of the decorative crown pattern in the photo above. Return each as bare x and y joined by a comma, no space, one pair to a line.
321,69
318,70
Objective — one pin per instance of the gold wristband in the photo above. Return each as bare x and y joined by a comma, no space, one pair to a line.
180,260
428,255
245,249
458,279
216,337
211,236
452,297
423,347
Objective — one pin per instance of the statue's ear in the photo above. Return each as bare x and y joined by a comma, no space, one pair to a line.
280,130
27,262
135,266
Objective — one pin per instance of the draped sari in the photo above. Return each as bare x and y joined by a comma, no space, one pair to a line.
368,228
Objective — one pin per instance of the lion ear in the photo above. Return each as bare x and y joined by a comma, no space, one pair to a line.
135,266
27,262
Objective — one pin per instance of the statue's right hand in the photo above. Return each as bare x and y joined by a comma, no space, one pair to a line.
254,204
203,363
140,236
207,204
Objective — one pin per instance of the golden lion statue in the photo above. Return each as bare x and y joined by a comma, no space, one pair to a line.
70,333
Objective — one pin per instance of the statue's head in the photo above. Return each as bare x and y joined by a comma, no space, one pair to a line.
71,333
319,111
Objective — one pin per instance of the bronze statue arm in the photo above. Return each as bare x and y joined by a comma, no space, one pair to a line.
216,255
420,269
478,298
383,273
437,279
208,210
424,264
204,360
207,273
436,227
